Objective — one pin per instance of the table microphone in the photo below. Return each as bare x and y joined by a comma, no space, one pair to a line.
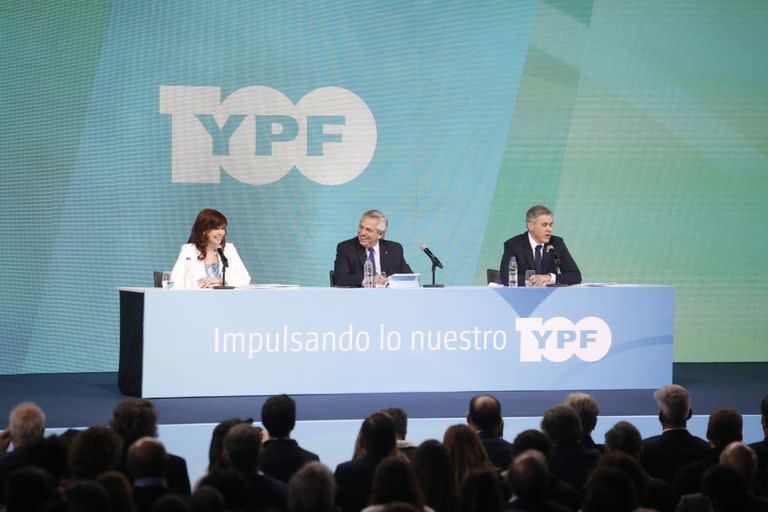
435,261
224,260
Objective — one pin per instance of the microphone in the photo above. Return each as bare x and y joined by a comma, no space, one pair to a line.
555,257
224,260
432,257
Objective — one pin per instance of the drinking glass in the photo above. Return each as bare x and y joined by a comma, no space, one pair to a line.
385,283
167,283
529,278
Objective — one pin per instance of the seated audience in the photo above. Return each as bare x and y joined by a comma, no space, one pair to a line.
588,409
569,460
216,448
484,417
431,463
94,451
481,491
529,480
145,465
312,489
467,453
401,429
395,482
26,424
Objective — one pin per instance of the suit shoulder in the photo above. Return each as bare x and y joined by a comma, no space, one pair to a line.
516,239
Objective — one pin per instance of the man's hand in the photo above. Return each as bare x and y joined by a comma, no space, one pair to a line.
5,440
542,279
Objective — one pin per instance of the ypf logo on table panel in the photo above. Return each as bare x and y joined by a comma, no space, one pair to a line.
558,339
258,135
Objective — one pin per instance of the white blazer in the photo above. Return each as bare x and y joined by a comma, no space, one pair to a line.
237,275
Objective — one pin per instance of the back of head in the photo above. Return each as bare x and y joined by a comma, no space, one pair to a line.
531,440
485,414
740,457
395,481
217,440
725,488
586,407
119,490
378,433
134,418
431,463
146,458
674,404
625,438
481,491
278,415
562,425
466,451
170,503
30,489
94,451
206,499
242,448
630,466
609,490
86,496
400,418
312,489
724,427
528,476
27,423
232,485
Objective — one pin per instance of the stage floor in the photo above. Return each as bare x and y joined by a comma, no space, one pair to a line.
88,398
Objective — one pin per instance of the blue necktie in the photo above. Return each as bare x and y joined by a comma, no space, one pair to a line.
373,260
537,260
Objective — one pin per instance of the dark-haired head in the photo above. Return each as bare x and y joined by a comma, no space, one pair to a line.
206,220
379,438
278,415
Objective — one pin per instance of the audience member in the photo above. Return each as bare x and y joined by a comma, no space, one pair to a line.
467,453
242,451
92,452
170,503
609,490
86,496
282,456
354,478
529,480
624,438
663,455
312,489
723,428
400,418
588,409
30,489
569,460
395,482
560,492
481,491
119,490
135,418
145,465
761,448
216,447
431,463
207,499
484,417
231,485
26,424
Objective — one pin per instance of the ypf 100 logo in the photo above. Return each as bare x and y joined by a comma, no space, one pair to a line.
558,339
258,135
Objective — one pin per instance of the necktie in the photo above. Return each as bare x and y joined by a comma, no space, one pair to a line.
373,260
537,260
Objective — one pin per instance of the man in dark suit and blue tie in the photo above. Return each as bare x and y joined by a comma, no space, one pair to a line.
369,244
539,250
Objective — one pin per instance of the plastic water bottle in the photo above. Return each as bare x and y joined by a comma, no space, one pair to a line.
188,274
512,282
367,274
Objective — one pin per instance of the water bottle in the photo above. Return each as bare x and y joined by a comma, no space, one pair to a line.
512,282
367,274
188,274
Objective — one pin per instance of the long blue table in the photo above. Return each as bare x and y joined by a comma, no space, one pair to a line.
188,343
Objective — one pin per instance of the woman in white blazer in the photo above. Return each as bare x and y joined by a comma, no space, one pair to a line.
209,232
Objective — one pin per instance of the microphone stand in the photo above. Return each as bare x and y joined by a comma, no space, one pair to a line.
433,285
223,285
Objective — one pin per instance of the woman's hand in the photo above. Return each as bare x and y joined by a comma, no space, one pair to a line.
208,282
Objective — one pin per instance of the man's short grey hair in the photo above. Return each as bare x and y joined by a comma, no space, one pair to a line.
536,211
27,422
674,403
741,457
376,214
587,408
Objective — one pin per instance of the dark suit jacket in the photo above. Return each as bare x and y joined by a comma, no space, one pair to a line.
524,505
499,450
520,248
281,458
350,258
573,463
354,480
665,454
266,494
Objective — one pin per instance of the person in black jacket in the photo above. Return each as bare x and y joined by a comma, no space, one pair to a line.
282,456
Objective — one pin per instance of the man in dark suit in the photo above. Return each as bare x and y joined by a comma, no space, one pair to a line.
665,454
282,456
569,460
484,417
532,251
369,244
26,427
